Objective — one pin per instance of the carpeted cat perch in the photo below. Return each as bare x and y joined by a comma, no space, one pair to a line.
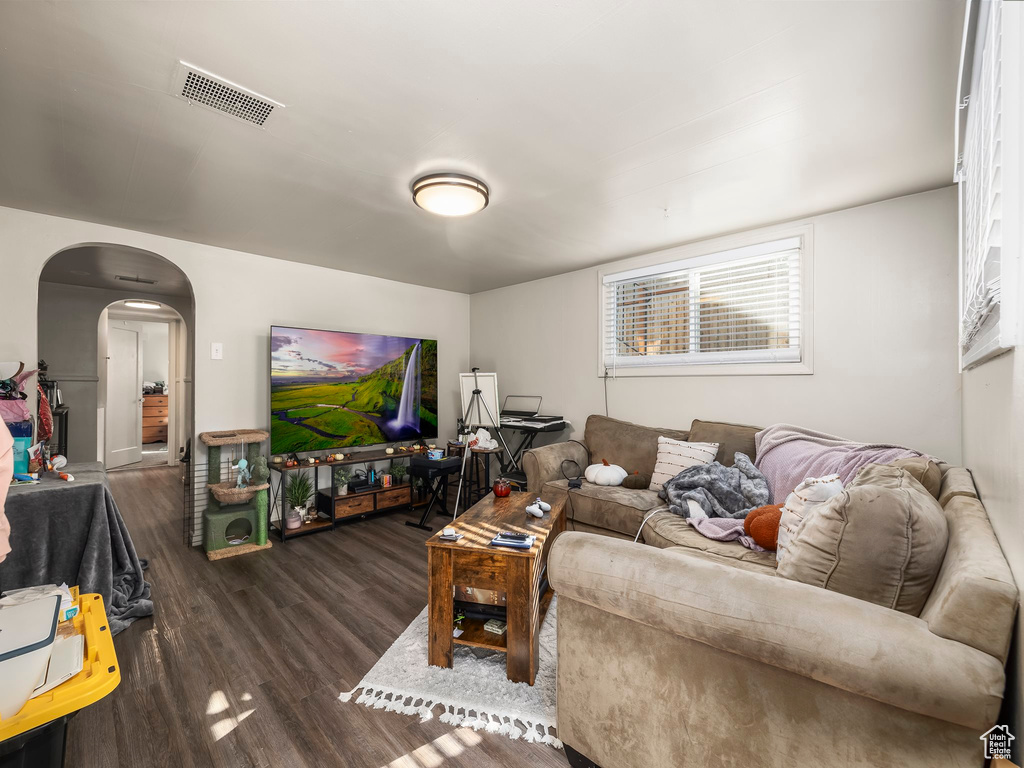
235,520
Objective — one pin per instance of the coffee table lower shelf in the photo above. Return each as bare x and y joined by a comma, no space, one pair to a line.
474,634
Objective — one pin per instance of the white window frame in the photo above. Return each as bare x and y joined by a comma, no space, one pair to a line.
700,254
1000,24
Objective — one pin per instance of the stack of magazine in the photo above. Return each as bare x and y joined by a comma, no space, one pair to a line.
514,540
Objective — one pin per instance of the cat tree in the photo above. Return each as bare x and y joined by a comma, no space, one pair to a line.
235,520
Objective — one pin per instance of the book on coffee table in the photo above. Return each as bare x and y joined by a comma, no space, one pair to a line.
501,541
495,626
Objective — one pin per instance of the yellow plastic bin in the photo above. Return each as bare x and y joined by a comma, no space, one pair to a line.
35,736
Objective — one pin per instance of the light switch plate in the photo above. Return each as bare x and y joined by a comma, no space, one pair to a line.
216,351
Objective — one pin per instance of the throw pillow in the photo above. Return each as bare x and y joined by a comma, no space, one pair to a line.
731,438
812,492
883,540
636,481
924,470
676,455
762,525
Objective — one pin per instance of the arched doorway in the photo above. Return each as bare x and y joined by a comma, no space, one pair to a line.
78,288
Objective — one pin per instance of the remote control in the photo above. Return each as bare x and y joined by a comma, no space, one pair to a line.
513,536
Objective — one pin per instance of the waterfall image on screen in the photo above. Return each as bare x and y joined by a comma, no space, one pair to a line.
330,389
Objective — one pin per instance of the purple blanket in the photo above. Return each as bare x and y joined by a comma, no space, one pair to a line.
722,529
786,455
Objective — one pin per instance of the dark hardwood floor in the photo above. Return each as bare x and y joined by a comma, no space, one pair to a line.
243,661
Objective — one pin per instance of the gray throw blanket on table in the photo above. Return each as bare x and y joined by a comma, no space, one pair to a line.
720,491
73,532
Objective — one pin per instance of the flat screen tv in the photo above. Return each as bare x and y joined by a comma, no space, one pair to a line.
330,389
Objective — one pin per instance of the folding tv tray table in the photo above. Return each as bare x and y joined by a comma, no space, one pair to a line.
435,472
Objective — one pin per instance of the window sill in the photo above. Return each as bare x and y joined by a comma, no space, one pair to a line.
713,369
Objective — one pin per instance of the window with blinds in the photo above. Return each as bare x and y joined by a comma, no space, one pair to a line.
988,106
737,306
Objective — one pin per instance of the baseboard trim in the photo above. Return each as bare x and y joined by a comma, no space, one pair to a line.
577,760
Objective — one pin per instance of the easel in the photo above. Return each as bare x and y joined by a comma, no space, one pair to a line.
465,429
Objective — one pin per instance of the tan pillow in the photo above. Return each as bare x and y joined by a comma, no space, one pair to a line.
730,438
882,539
924,470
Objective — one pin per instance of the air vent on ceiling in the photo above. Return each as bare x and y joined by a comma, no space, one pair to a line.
197,86
136,279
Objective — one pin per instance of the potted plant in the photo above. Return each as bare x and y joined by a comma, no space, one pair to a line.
398,471
342,477
298,493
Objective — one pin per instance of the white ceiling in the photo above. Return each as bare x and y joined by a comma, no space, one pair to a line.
603,128
98,266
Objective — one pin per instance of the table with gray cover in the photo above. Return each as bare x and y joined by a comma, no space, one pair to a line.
72,532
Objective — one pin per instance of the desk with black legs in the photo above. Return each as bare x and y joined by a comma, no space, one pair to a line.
529,428
435,474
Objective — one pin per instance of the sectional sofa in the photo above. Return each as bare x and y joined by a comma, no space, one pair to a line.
681,651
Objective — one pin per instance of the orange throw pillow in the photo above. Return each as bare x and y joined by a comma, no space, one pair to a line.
762,525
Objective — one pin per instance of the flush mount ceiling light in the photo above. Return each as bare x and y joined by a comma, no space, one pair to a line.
138,304
450,194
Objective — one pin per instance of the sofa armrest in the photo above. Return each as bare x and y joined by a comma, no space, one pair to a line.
545,463
834,639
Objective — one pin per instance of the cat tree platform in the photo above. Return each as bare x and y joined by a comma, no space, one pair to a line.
229,493
234,437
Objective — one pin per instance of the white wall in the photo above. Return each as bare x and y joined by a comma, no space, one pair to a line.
155,351
238,296
993,426
885,355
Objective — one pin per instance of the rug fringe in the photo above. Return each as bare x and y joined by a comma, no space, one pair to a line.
503,724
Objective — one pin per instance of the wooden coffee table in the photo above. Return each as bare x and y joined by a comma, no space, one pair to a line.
473,562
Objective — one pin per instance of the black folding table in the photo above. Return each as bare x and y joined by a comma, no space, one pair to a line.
435,473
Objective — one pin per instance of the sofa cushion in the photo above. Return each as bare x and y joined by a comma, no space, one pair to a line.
974,598
665,529
812,493
610,507
676,455
631,446
924,470
730,438
957,481
882,539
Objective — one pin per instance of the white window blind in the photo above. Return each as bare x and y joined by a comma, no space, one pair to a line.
986,274
737,306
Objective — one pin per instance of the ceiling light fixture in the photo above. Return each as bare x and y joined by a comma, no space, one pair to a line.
138,304
450,194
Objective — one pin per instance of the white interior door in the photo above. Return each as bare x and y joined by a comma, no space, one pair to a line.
124,397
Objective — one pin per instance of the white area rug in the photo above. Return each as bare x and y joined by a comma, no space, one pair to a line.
475,693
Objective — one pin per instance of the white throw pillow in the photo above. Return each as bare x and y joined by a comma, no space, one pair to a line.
676,455
810,494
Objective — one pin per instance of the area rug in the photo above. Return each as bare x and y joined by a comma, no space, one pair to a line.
474,693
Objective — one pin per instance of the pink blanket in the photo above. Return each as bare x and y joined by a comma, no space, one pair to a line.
724,529
786,455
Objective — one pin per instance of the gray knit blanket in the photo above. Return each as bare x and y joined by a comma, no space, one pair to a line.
720,491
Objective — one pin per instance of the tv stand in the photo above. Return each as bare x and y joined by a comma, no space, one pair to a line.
361,504
355,505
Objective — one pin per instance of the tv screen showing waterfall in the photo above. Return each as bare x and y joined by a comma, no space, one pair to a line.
330,389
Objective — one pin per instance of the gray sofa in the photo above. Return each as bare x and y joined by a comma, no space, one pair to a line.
680,651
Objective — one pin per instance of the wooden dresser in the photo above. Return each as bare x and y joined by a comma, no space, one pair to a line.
154,419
